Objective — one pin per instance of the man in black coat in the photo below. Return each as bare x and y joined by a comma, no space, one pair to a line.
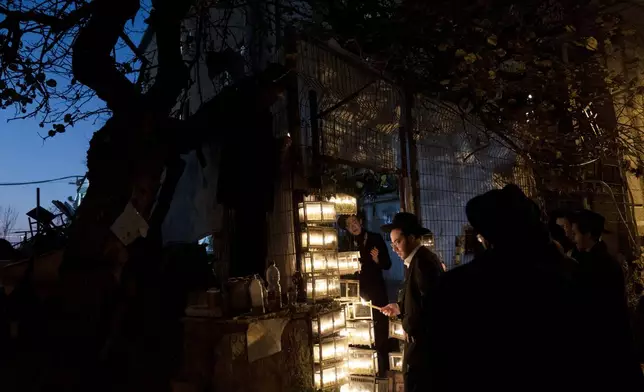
374,258
509,320
416,298
607,330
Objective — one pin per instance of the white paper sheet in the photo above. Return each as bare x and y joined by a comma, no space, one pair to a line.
264,338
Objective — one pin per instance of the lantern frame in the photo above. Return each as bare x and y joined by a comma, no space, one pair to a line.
396,330
316,212
339,345
339,371
328,236
363,362
395,361
364,384
325,260
359,311
336,320
360,332
348,262
344,204
329,287
349,290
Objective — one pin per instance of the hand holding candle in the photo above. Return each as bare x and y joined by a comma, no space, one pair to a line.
391,310
368,303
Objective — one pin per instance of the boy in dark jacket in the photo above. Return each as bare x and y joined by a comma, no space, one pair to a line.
374,258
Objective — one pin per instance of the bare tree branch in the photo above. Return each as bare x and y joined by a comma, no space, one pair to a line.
8,218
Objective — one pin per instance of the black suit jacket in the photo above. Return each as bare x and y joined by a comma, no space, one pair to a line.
516,315
372,283
608,330
415,302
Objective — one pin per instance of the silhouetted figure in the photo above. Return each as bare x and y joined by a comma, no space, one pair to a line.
7,251
374,258
607,330
416,298
638,329
508,320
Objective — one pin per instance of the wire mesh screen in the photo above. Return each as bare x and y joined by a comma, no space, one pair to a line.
362,129
453,168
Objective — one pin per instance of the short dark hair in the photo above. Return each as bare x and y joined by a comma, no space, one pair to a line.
588,222
558,214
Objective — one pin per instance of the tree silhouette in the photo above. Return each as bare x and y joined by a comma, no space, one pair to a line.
8,219
54,56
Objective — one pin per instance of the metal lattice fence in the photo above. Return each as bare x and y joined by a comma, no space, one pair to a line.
453,167
363,130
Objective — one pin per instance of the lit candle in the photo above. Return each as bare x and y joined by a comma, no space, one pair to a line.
319,237
345,204
330,322
313,211
335,348
331,375
361,364
396,330
324,287
314,262
360,333
356,387
349,262
368,303
395,361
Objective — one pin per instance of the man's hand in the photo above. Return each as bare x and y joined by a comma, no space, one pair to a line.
374,255
391,310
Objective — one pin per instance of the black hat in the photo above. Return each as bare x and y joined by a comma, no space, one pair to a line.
504,215
408,223
589,222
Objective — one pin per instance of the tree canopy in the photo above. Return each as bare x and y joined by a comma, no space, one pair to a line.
536,74
36,70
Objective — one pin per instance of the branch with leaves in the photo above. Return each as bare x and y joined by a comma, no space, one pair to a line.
535,74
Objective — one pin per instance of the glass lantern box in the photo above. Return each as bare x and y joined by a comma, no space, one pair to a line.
395,361
320,262
348,262
316,212
363,362
330,375
349,290
329,323
360,333
322,287
345,204
365,384
333,348
396,330
319,238
359,311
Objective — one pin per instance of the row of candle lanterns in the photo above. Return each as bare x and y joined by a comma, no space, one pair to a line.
321,268
344,263
343,353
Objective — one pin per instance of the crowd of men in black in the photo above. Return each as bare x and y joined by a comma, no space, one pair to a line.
542,308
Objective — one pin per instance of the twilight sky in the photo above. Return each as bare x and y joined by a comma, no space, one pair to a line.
24,157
